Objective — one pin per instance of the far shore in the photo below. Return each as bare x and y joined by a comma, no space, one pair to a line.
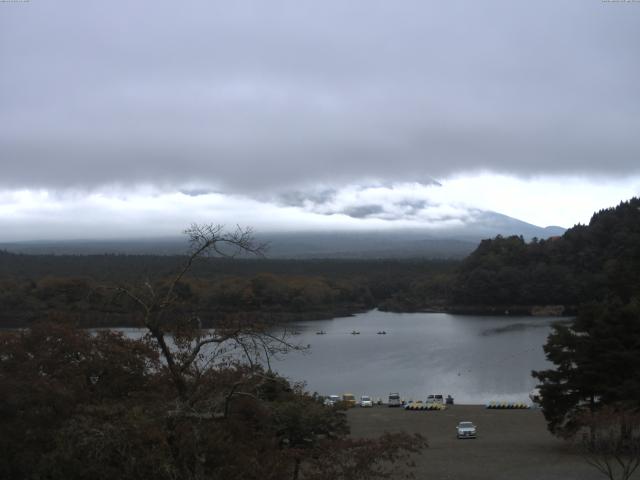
10,320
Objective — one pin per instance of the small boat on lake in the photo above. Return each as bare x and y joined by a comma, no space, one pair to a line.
382,333
355,332
321,332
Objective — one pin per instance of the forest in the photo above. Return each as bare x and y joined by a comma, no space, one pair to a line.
503,275
589,262
33,286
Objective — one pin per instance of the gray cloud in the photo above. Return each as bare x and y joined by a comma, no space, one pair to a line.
196,192
364,211
262,96
412,207
300,199
410,202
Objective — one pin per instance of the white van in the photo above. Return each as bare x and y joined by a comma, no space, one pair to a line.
394,400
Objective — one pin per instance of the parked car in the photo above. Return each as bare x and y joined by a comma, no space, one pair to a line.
466,430
365,401
331,400
439,399
349,399
394,400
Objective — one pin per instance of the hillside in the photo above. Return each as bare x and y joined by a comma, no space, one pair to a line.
588,262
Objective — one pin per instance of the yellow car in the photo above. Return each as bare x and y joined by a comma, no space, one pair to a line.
349,399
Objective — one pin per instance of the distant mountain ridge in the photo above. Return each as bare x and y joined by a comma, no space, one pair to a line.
455,242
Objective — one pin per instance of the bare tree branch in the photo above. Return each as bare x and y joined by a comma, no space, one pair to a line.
182,354
198,347
612,443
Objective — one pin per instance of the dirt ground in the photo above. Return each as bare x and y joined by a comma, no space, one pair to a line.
511,444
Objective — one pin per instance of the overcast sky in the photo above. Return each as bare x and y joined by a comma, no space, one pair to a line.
127,118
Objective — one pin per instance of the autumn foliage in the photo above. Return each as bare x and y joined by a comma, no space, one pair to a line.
77,404
182,402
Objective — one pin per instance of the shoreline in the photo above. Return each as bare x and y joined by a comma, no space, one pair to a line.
121,320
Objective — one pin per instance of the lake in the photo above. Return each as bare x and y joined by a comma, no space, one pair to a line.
475,359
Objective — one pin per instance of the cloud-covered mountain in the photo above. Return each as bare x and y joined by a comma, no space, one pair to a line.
454,242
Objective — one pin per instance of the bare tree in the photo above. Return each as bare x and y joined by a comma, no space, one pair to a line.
610,441
210,409
186,347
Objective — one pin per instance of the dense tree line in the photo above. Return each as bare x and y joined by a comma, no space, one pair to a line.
588,262
33,287
592,392
131,267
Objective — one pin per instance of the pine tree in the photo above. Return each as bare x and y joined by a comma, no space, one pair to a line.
597,363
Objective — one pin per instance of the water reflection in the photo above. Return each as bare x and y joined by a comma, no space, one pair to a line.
514,327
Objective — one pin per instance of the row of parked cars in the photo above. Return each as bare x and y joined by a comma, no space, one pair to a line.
394,400
349,399
463,429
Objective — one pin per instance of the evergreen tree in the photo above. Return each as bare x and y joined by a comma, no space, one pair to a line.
597,363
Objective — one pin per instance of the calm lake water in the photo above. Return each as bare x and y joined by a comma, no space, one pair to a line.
476,359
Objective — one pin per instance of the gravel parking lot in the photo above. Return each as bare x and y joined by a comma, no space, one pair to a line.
511,444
